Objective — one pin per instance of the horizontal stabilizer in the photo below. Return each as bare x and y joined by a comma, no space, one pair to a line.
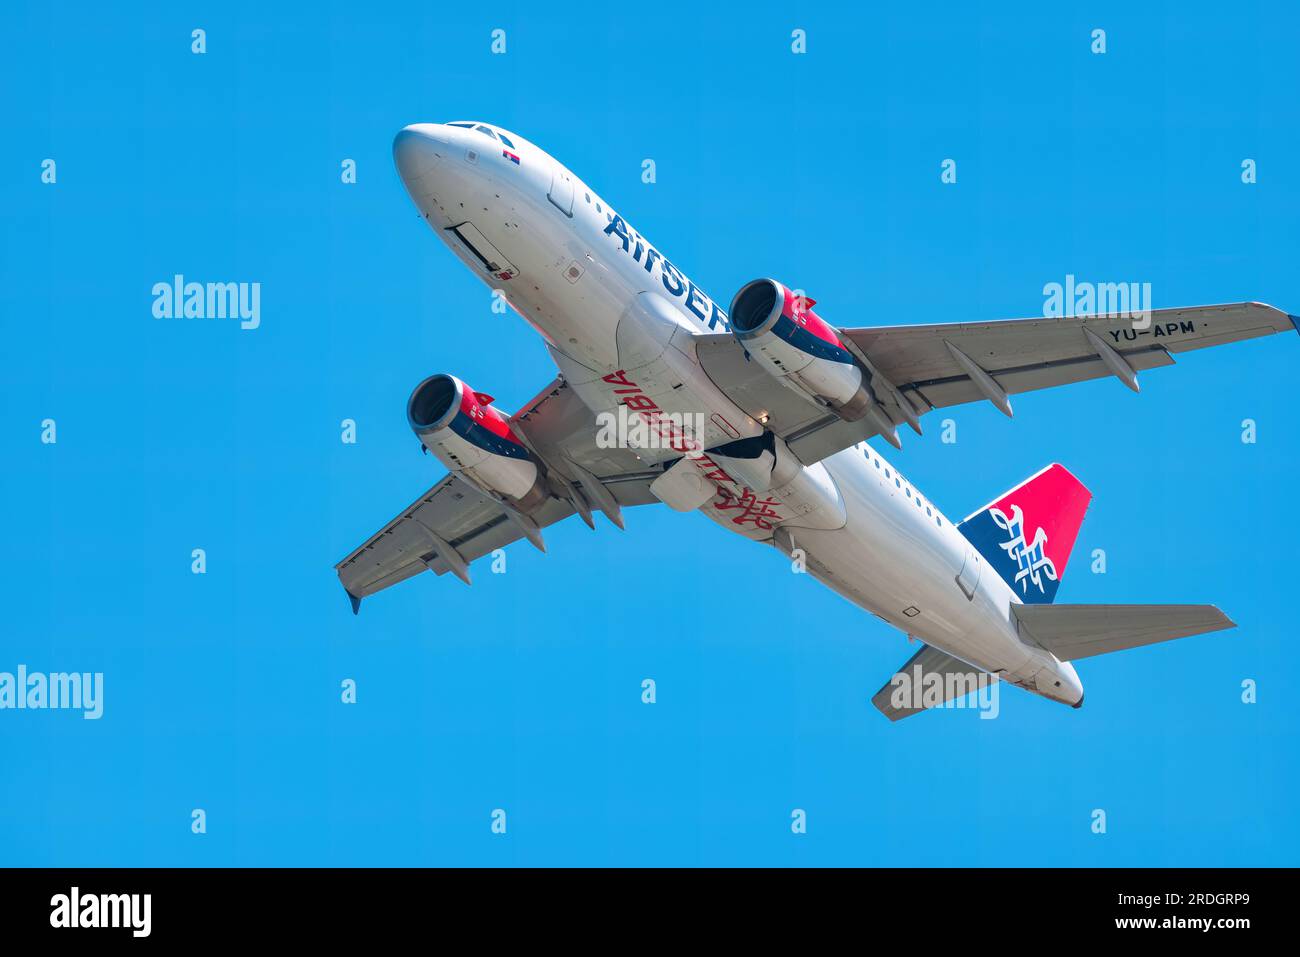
1072,632
930,678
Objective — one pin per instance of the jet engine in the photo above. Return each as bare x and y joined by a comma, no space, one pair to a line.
474,441
780,332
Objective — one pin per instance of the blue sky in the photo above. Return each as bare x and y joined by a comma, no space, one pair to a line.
222,690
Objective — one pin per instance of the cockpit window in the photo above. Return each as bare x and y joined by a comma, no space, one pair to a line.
484,129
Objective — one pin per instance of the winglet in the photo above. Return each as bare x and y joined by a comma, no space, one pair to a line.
356,603
1295,321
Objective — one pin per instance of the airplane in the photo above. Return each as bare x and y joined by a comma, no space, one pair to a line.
759,417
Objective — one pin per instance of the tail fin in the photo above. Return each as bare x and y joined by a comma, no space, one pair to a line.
1026,534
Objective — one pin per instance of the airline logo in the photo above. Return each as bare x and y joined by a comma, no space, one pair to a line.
749,508
1030,557
1027,534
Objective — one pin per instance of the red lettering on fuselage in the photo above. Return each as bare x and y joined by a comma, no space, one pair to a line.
635,400
620,378
762,514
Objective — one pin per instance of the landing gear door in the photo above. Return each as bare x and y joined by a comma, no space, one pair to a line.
968,579
561,194
491,258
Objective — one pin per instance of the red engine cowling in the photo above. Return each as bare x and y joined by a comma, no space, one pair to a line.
782,334
474,441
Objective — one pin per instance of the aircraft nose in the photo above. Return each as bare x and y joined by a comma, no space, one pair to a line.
416,149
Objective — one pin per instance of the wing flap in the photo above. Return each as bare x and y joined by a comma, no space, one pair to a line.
1072,632
958,390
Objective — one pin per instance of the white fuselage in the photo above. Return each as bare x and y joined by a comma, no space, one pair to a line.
619,320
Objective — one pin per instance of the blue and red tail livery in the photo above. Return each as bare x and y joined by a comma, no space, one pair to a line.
1026,534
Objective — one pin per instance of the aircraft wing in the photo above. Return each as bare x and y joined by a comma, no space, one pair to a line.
913,369
453,523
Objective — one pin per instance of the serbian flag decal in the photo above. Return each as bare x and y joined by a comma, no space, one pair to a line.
510,156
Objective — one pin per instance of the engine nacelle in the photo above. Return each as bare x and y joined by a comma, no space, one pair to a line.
782,334
474,441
